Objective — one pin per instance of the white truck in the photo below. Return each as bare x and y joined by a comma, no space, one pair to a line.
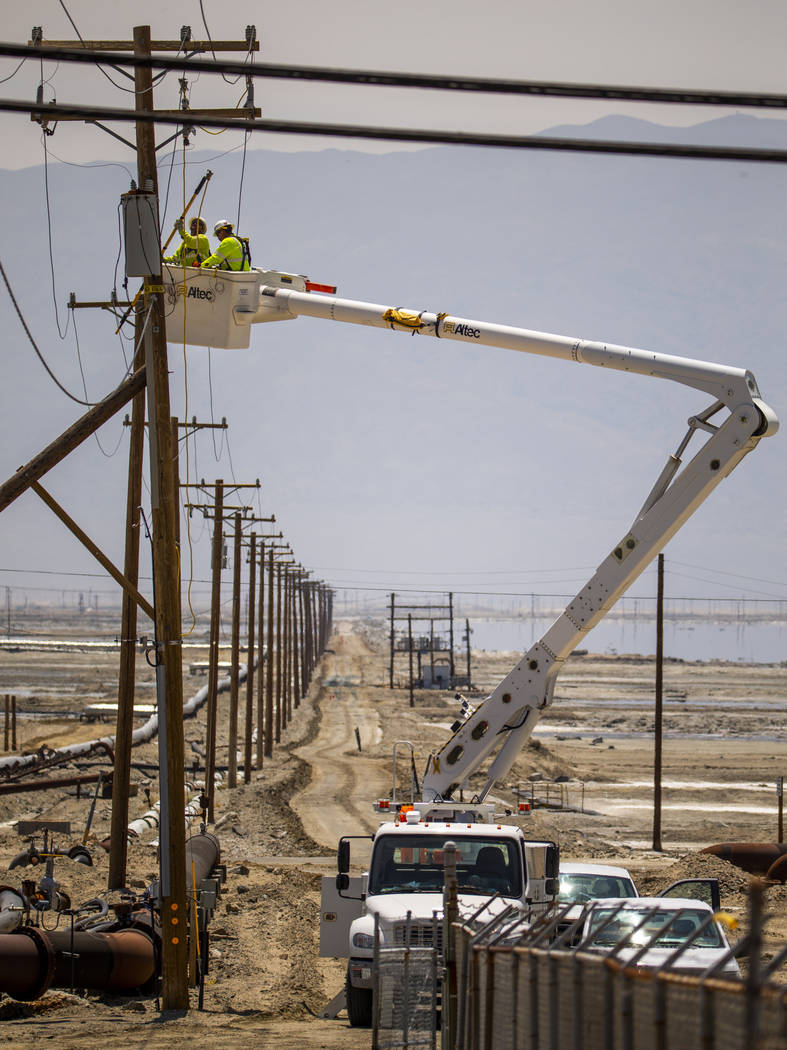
402,892
732,420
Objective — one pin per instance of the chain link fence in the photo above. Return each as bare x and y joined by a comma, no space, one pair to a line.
519,988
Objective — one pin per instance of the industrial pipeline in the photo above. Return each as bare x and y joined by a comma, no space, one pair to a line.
118,955
12,765
758,858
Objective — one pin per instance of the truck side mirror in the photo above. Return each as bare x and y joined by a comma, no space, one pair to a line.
552,863
342,882
343,858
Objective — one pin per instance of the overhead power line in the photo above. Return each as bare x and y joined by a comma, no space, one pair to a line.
357,131
424,81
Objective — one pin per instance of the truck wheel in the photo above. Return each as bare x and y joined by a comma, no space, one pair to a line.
359,1005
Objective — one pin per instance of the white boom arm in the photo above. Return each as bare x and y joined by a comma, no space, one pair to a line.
506,718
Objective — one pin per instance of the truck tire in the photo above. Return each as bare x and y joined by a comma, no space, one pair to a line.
359,1005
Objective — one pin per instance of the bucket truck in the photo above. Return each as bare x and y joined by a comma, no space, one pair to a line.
406,858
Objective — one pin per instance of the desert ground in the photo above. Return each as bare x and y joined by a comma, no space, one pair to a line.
588,770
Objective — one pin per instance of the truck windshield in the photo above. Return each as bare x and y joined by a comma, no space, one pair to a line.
414,864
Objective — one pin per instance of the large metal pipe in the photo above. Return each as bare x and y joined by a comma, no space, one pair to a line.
18,787
778,870
118,961
33,960
754,857
27,963
203,852
140,735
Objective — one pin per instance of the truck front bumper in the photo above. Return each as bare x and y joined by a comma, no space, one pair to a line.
360,972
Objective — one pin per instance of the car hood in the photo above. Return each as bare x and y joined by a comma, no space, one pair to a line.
692,961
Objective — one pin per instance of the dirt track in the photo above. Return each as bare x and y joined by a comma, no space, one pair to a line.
278,833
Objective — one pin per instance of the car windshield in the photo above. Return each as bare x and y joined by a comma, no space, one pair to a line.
664,929
405,863
577,888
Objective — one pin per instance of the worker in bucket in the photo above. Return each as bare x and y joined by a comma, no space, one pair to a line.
232,253
194,247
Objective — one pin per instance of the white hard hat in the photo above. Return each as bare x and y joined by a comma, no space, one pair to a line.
222,224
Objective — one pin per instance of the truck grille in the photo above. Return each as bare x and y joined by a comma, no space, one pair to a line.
419,935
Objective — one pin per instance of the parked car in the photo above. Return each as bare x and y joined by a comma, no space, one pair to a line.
580,882
648,931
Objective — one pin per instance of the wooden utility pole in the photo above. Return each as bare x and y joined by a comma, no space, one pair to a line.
264,668
410,648
451,636
232,772
287,641
467,641
121,774
269,676
308,634
250,635
169,656
393,643
657,730
213,650
273,713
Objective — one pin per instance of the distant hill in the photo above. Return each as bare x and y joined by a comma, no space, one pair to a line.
739,129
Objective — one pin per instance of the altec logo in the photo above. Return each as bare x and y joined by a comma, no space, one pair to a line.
199,293
462,329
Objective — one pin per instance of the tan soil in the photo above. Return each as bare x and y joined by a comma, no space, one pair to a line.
278,834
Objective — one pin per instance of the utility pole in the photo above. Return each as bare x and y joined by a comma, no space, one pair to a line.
452,671
250,661
121,775
393,640
255,631
232,778
232,772
264,667
168,648
467,644
657,729
217,557
169,655
273,724
410,648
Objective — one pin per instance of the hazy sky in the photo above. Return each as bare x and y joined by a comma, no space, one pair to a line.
704,45
710,44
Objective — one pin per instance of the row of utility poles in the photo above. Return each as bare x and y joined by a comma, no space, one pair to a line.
289,615
287,628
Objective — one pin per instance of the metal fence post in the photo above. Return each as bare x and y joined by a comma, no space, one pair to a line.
376,989
450,913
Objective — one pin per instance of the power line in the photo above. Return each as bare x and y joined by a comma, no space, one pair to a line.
386,134
51,374
423,81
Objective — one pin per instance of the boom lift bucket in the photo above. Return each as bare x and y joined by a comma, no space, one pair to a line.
217,307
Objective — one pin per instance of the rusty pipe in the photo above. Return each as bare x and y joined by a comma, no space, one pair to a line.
778,870
119,961
16,788
33,960
27,963
754,857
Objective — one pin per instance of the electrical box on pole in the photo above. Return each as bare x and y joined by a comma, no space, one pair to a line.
141,233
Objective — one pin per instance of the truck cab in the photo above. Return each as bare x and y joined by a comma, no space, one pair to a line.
402,892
